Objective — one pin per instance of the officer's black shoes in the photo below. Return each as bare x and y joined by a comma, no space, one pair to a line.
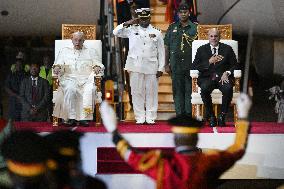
83,123
221,120
212,121
71,123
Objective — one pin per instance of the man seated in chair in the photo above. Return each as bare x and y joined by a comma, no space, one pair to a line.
216,63
76,67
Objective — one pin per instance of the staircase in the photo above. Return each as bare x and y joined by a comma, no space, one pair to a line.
166,107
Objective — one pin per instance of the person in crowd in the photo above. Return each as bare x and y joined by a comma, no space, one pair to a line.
27,159
34,95
178,40
45,72
186,167
12,88
21,56
64,148
145,64
172,10
76,67
216,63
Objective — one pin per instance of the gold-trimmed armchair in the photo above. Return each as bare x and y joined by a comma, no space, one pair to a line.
90,42
197,103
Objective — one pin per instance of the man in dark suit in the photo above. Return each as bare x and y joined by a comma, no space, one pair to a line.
216,63
34,95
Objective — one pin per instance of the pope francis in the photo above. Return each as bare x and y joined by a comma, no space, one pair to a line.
75,68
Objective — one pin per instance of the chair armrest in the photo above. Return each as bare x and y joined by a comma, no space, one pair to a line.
237,73
194,73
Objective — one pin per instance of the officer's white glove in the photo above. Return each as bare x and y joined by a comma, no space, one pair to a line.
243,105
108,116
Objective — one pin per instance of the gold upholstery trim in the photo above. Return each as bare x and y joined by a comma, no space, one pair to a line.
225,31
88,111
88,30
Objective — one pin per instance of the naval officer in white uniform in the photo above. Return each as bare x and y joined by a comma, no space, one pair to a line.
145,63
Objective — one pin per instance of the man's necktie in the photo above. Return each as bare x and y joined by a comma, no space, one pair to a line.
33,82
34,95
213,76
214,50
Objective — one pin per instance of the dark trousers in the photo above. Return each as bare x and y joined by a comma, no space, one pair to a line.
207,86
181,84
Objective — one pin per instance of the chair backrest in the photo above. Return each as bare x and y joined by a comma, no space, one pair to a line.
197,43
225,31
92,44
89,30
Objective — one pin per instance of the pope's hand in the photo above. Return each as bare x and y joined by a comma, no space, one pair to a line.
108,116
243,105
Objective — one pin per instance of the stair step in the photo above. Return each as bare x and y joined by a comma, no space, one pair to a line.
165,97
162,106
158,17
165,115
166,111
165,80
159,9
166,101
154,3
165,88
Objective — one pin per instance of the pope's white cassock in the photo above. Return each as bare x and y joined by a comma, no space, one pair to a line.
146,56
76,94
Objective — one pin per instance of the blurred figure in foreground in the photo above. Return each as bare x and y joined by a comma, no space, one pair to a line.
64,149
26,159
187,167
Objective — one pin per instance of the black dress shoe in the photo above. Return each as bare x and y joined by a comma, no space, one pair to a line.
71,123
84,123
221,120
212,121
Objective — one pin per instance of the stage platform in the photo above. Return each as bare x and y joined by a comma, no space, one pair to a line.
263,159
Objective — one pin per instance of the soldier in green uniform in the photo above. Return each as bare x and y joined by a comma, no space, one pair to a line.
178,40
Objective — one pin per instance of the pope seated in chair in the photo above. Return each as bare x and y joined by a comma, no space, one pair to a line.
76,68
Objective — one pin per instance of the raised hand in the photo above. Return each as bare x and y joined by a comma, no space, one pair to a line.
108,116
243,105
130,22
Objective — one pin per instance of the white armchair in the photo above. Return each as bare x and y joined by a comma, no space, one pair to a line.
98,72
196,100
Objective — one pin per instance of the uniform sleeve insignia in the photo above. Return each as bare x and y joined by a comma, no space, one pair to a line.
149,160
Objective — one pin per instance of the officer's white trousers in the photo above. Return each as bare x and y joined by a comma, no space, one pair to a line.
144,91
